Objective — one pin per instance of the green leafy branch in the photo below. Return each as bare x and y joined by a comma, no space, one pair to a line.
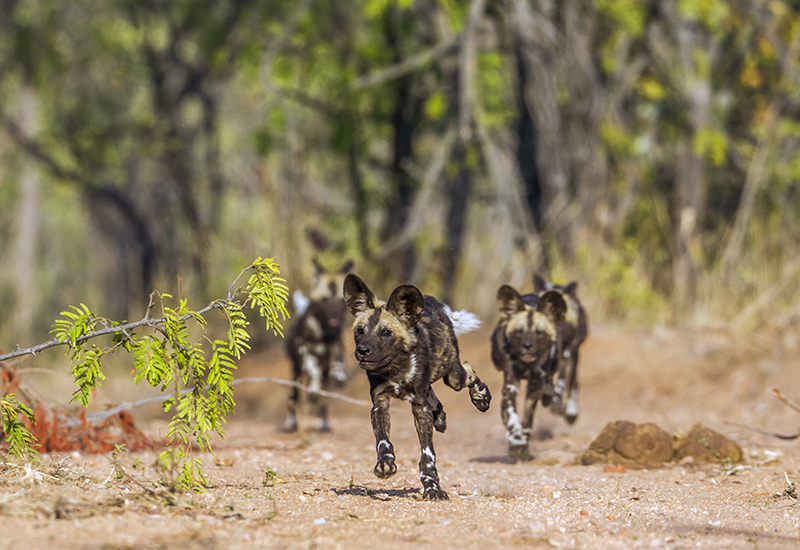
167,357
19,438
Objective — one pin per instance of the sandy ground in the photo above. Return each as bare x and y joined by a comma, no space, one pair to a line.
323,493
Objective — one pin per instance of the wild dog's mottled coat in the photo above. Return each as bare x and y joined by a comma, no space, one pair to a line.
405,345
524,348
570,334
314,344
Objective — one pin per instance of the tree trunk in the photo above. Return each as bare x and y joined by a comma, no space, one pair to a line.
539,51
526,160
586,98
27,227
403,189
458,189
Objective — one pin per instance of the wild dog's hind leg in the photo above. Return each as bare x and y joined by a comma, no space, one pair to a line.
515,437
439,417
423,422
461,376
572,410
381,424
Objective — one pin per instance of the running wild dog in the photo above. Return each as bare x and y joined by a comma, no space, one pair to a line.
405,345
524,348
314,343
562,397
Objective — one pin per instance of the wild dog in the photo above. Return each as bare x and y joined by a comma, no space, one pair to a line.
524,348
314,343
562,396
405,345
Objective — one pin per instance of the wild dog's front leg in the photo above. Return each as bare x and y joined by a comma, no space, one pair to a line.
461,376
478,391
439,416
381,424
532,395
338,376
515,437
316,374
423,422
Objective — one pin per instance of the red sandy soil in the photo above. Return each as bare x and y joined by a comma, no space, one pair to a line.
325,495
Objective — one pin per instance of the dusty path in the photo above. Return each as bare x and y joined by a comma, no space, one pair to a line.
326,496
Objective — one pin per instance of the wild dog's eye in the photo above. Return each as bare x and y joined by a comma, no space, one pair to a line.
359,330
386,332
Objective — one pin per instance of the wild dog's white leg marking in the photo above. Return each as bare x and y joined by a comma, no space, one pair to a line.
312,369
413,370
514,434
431,457
337,373
572,404
291,422
553,350
567,354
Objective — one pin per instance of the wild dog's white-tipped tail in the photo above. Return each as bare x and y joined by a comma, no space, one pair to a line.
463,320
300,303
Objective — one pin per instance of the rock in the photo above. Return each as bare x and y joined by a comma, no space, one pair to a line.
705,445
633,446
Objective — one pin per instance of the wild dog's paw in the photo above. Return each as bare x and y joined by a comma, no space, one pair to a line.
480,395
324,427
572,410
434,493
439,420
385,466
519,453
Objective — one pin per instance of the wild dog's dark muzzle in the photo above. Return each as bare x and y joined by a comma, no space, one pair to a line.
367,361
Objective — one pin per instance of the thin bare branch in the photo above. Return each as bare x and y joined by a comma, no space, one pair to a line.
147,321
408,65
95,417
791,404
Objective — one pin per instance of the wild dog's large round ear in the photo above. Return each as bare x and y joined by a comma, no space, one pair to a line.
509,301
347,267
406,302
571,288
539,284
357,295
552,304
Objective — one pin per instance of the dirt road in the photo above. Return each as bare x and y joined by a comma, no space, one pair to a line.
275,490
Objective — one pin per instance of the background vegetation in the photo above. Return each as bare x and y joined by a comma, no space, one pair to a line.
643,147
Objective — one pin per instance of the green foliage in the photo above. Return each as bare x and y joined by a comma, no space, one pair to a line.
267,292
169,357
710,144
19,438
630,15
